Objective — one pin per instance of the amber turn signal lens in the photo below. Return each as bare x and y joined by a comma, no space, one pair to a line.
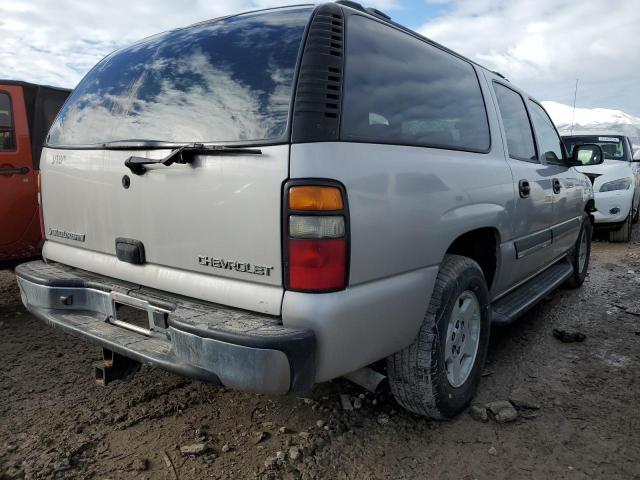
315,198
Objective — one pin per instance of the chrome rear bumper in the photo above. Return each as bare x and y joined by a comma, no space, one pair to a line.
209,342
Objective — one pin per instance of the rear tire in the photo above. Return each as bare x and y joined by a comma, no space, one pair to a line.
579,255
423,377
636,216
623,234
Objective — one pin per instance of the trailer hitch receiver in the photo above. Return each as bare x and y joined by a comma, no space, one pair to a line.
114,366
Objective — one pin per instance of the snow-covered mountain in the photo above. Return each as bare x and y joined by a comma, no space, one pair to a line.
591,119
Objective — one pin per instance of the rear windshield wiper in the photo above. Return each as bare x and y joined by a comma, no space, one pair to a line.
185,154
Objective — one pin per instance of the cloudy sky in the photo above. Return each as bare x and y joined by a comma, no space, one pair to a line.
541,45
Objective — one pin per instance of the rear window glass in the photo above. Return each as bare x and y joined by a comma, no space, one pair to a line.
6,123
43,113
228,80
5,111
401,90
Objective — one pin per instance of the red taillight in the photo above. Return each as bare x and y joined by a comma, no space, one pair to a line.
39,197
317,265
316,232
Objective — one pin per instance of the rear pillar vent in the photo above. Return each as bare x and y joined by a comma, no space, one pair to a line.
316,113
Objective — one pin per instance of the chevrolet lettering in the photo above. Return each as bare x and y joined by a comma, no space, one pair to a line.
244,267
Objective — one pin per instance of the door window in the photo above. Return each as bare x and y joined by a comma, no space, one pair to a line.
549,141
6,123
516,124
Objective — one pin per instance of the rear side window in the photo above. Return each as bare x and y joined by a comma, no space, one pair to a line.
401,90
516,124
549,141
228,80
47,104
6,123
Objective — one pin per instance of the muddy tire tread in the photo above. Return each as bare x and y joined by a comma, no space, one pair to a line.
576,279
623,234
411,370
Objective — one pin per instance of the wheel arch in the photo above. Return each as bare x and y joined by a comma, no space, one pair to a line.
483,246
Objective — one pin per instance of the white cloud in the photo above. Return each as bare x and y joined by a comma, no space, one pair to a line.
58,42
544,45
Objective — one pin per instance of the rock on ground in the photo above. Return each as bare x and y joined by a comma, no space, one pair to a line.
194,449
501,411
478,413
524,399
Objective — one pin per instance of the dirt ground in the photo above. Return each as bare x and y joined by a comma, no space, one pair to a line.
55,422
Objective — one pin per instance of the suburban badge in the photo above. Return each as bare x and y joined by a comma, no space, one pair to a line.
78,237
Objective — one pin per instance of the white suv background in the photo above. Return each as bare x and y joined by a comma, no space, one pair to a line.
616,182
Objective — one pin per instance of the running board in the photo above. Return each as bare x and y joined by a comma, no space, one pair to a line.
517,303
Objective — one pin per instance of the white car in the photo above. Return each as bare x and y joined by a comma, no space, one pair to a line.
616,182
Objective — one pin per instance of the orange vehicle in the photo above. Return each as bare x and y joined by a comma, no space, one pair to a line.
26,113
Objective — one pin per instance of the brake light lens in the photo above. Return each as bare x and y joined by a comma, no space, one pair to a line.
39,197
317,231
317,265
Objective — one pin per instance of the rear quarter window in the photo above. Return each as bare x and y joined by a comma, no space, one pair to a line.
6,123
399,89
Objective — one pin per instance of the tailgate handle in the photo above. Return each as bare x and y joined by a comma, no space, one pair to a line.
130,250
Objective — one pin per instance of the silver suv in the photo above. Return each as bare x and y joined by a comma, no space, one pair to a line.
283,197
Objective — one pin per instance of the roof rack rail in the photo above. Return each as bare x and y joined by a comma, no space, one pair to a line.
500,75
378,13
349,3
357,6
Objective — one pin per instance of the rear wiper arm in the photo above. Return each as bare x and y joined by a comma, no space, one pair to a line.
185,154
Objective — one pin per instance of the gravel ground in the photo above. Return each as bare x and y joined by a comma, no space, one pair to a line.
55,422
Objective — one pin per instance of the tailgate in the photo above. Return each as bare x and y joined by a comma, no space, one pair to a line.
210,227
219,216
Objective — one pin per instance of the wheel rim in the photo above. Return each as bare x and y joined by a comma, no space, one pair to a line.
582,252
463,338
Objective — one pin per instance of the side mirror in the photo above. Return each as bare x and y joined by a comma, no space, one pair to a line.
587,154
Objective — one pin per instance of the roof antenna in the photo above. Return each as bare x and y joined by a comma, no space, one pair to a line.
573,115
